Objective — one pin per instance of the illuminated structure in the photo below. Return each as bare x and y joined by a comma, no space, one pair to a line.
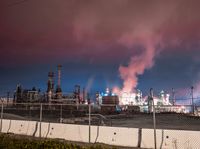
136,99
164,99
126,98
50,85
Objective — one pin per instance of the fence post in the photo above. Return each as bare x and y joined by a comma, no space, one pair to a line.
154,118
1,117
40,135
61,117
192,92
89,105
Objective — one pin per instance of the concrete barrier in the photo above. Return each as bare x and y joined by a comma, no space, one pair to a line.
119,136
116,136
6,124
19,127
182,139
171,139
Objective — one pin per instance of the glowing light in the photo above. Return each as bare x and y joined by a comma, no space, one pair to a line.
131,98
113,94
107,90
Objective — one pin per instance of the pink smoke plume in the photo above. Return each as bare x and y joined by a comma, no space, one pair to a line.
139,62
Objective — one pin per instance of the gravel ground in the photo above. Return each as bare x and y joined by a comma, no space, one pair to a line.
134,120
163,121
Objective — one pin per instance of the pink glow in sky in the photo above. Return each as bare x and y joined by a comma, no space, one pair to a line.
126,32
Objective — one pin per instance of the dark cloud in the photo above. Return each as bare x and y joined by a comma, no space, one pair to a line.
103,33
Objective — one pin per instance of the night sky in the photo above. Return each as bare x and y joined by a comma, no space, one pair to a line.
121,44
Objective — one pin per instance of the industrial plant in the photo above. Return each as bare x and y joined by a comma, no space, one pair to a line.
105,102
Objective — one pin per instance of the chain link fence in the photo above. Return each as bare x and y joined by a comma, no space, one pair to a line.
166,117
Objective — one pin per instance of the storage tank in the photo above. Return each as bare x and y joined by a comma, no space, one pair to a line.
114,100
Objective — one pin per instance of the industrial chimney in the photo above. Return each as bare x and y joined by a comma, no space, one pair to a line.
58,89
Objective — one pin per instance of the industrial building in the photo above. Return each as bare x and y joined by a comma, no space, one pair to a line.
26,95
53,94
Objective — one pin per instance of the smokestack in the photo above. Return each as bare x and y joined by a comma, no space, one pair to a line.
58,89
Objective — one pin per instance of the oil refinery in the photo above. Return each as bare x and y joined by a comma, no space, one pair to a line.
108,101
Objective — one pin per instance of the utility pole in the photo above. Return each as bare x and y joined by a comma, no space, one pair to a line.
192,91
154,118
173,96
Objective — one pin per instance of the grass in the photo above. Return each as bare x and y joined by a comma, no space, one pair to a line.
9,141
